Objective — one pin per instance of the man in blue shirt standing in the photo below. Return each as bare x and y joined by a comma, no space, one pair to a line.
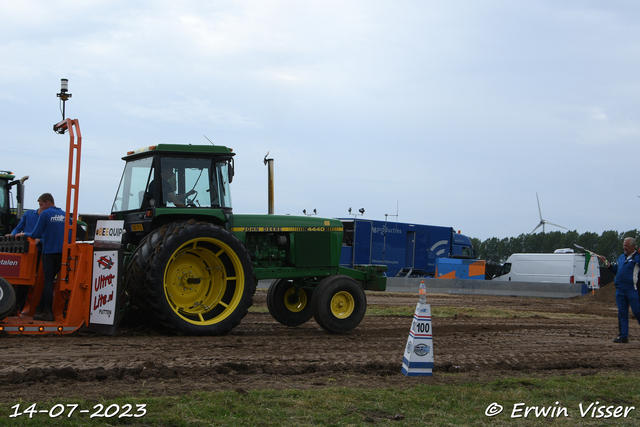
27,222
50,228
626,270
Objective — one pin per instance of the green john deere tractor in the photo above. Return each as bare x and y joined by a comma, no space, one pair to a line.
9,217
194,265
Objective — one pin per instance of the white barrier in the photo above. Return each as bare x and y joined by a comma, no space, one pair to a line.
489,287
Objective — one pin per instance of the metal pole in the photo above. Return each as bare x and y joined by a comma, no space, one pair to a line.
269,163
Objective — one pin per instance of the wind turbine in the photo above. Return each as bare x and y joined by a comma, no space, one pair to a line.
543,221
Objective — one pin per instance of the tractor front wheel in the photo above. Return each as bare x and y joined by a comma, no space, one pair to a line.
289,304
339,304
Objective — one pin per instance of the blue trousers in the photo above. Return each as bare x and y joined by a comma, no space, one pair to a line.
51,264
626,298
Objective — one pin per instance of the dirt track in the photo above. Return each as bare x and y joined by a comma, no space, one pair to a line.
261,353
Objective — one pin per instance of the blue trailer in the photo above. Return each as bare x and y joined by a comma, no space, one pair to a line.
406,249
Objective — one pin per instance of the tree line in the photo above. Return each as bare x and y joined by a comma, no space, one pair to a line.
496,251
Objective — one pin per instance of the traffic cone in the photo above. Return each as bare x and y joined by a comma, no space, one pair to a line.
418,353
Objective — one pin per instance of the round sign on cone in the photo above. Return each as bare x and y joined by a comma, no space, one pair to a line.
418,353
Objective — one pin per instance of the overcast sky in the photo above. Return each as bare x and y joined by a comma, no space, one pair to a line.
449,113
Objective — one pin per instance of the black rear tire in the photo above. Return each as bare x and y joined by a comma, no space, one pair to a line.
285,307
339,304
193,277
7,298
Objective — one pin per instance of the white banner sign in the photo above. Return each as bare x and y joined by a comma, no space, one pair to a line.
109,231
104,287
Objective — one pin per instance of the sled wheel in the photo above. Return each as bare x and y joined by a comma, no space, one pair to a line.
285,306
339,304
199,279
7,298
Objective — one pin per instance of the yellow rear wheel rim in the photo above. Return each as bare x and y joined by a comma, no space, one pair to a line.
204,281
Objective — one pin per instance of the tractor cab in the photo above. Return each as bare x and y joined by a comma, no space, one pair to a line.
166,181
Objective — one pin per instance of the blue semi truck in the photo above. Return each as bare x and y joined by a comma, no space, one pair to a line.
408,250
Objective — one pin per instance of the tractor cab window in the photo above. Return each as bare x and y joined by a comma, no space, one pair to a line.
194,182
174,182
133,185
3,196
4,214
220,180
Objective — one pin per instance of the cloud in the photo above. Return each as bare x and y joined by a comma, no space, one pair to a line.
190,110
460,111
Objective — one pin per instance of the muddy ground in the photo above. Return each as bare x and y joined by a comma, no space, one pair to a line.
262,354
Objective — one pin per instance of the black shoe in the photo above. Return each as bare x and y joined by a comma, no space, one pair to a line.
621,340
47,316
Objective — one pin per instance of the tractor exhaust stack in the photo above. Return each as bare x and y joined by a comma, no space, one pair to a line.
269,163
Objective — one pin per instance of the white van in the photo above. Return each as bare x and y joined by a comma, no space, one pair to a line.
551,268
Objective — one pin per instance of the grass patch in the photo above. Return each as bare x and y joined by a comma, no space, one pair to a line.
385,310
501,313
390,310
258,309
556,400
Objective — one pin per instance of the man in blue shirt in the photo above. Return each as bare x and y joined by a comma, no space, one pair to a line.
27,222
50,229
626,270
